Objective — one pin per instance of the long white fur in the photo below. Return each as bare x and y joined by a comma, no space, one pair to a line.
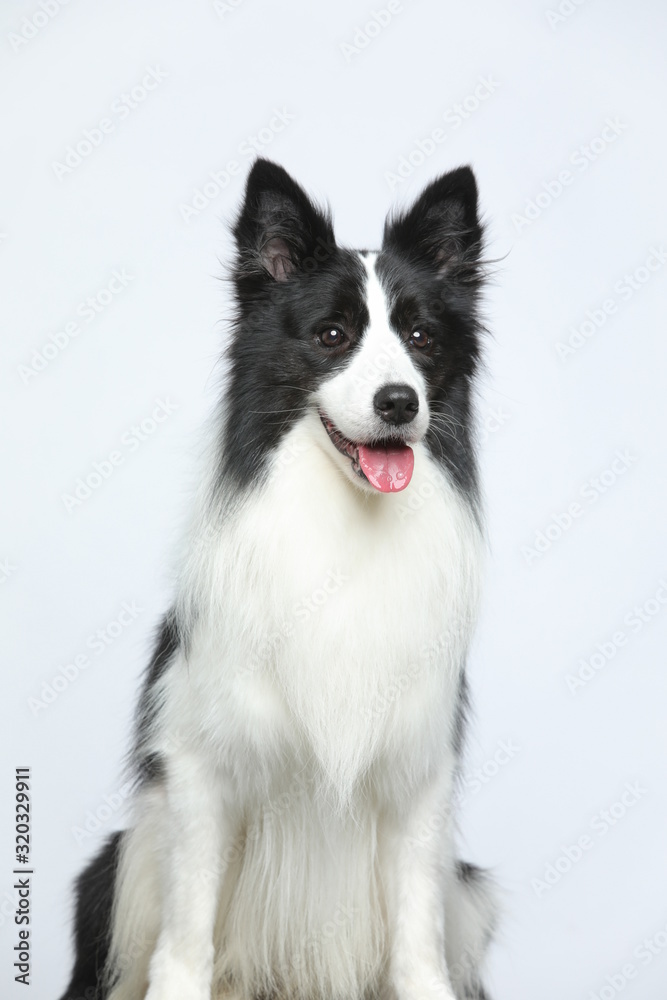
302,839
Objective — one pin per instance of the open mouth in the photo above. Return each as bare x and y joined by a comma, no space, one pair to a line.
387,465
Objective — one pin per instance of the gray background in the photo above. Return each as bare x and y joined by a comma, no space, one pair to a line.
554,420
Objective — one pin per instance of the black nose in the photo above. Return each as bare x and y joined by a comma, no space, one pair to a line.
396,404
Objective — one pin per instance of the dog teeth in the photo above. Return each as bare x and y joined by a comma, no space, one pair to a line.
344,445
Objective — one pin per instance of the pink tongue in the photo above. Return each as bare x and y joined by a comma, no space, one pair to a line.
387,469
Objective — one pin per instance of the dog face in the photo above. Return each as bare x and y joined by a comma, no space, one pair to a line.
382,346
375,407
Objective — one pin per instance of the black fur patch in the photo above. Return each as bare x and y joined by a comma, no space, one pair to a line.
478,993
461,713
472,875
468,873
431,269
149,767
92,927
276,360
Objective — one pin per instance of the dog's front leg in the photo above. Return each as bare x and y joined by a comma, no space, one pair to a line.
419,845
197,844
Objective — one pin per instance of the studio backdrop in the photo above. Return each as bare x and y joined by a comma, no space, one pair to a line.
128,131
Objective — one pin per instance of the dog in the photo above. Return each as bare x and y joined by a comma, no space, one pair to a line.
300,728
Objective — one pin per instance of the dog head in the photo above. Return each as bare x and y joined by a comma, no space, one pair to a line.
381,345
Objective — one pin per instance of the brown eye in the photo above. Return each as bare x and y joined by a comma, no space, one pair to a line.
419,339
332,337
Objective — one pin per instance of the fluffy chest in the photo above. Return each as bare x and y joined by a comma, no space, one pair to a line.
337,623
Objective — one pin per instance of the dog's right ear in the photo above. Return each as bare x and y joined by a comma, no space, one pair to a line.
279,228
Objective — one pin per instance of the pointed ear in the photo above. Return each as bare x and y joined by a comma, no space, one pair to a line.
441,229
278,226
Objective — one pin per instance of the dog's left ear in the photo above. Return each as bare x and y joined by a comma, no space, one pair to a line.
279,228
441,229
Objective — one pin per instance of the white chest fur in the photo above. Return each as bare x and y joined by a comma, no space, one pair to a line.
333,623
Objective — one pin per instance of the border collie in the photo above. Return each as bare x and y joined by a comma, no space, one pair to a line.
300,727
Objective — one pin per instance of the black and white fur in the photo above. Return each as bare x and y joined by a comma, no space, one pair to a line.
301,722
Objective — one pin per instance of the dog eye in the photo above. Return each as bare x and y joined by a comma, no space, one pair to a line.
420,339
333,336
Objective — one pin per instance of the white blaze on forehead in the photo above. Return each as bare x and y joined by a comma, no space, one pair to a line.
382,359
381,345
